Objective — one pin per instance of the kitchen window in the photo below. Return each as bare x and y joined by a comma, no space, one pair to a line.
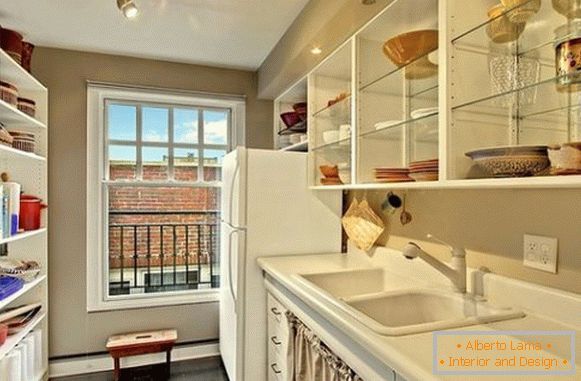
154,178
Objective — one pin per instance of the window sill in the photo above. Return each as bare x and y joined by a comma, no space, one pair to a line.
140,301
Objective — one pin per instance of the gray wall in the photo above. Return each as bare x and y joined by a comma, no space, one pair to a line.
72,329
323,23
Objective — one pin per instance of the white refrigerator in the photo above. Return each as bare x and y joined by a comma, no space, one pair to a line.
267,210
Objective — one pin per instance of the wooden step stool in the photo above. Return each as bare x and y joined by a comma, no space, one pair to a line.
142,343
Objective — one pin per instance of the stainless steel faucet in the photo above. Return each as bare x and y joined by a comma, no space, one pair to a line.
455,271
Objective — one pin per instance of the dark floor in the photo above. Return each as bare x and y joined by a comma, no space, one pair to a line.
210,369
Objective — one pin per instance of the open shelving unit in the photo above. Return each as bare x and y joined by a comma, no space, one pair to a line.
31,171
485,94
284,103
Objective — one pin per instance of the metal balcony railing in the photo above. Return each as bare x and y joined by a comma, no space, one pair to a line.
152,251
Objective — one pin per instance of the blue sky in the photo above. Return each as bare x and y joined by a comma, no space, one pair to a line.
123,121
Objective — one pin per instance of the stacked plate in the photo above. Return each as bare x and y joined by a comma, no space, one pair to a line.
391,175
426,170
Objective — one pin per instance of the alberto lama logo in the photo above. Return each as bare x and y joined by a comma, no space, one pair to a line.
504,352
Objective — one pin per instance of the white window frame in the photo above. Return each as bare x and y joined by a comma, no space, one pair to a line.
96,245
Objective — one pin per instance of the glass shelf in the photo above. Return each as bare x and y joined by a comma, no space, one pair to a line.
341,107
339,145
430,121
415,87
528,101
483,25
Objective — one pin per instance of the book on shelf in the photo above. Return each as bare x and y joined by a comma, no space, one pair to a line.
10,209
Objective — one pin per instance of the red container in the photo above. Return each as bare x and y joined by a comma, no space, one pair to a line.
11,42
3,333
30,208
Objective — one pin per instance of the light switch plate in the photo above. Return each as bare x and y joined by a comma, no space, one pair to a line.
540,253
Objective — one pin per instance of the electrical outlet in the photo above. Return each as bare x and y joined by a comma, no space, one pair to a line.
540,253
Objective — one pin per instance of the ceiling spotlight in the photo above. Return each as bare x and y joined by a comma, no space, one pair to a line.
316,50
367,2
128,8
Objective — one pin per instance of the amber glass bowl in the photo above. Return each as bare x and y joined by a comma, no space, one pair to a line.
412,49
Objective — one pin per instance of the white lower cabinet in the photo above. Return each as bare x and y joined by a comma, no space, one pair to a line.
279,354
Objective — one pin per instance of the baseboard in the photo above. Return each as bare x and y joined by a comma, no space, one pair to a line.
103,363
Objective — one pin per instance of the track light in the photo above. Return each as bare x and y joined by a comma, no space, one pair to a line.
128,8
316,50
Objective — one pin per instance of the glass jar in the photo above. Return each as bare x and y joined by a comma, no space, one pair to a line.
568,56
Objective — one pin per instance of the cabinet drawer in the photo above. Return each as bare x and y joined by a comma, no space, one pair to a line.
275,373
276,364
276,310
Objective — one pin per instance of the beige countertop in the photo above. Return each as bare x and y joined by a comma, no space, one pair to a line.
409,355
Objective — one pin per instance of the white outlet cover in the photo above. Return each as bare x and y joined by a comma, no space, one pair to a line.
540,253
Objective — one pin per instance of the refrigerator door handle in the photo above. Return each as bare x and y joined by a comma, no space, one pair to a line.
230,281
231,195
235,228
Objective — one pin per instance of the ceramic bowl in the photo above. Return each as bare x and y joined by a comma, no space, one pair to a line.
329,171
500,29
567,156
330,136
521,10
413,46
568,8
516,161
290,118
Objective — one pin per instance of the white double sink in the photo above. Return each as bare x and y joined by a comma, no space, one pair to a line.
366,296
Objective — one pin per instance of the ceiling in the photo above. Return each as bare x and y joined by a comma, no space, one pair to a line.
225,33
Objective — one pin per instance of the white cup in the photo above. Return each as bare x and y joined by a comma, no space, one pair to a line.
344,131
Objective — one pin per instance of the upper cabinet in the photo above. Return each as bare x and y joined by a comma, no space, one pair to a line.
330,120
397,92
514,75
438,94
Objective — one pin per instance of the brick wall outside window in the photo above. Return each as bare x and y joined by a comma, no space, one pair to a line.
152,202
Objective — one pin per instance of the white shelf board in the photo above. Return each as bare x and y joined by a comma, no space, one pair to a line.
26,288
298,147
10,116
13,340
20,236
13,153
506,183
13,73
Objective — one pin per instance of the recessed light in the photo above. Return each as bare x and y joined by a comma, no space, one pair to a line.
316,50
368,2
128,8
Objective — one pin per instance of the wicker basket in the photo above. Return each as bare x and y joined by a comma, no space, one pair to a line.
362,225
27,271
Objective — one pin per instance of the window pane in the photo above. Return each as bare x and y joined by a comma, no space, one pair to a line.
213,164
186,126
185,164
122,162
155,163
216,127
143,222
155,127
121,122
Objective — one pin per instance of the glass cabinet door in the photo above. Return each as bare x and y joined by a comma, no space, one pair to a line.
397,100
514,88
330,120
